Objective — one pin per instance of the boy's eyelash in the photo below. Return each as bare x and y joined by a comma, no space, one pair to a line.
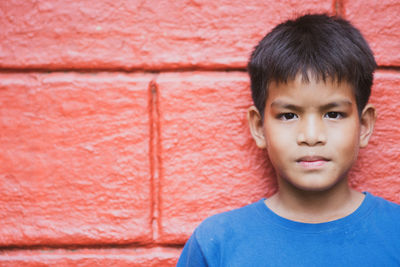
330,115
287,116
335,115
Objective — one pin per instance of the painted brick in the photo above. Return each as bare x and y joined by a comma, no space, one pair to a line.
378,168
379,21
209,161
74,164
140,257
115,34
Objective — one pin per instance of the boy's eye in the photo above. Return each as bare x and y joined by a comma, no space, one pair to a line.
334,115
287,116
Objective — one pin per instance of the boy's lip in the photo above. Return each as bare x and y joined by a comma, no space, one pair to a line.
311,162
312,158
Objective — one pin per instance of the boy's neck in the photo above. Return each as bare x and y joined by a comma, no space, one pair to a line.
315,207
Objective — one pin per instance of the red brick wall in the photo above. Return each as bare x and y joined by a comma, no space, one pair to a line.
122,123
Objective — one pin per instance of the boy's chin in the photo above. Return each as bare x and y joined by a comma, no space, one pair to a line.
316,186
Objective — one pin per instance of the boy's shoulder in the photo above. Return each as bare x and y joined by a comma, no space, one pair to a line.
385,209
233,216
228,222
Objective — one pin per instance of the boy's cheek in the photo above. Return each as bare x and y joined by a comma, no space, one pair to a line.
279,136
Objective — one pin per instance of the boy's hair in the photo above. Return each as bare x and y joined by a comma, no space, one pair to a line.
317,45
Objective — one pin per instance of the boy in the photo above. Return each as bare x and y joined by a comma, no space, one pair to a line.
310,80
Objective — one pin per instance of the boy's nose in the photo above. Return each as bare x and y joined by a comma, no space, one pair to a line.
311,132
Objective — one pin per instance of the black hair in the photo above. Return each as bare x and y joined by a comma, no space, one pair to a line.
317,45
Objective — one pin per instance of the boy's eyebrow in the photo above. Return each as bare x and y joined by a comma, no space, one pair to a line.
334,104
284,105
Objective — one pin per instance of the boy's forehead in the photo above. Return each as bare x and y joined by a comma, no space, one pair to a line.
301,81
301,86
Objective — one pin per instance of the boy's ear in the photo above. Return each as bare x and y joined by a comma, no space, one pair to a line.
368,117
256,126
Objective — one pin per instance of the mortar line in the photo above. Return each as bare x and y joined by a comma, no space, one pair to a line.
153,158
146,71
74,247
123,70
159,159
339,8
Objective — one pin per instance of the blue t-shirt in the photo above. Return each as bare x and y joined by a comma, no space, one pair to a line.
256,236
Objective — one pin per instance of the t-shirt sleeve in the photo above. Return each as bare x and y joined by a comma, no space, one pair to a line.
192,254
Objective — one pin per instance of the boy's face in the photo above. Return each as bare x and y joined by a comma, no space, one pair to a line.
312,132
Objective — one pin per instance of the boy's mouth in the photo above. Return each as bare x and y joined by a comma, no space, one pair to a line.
312,161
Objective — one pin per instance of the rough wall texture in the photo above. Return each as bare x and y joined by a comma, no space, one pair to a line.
122,123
